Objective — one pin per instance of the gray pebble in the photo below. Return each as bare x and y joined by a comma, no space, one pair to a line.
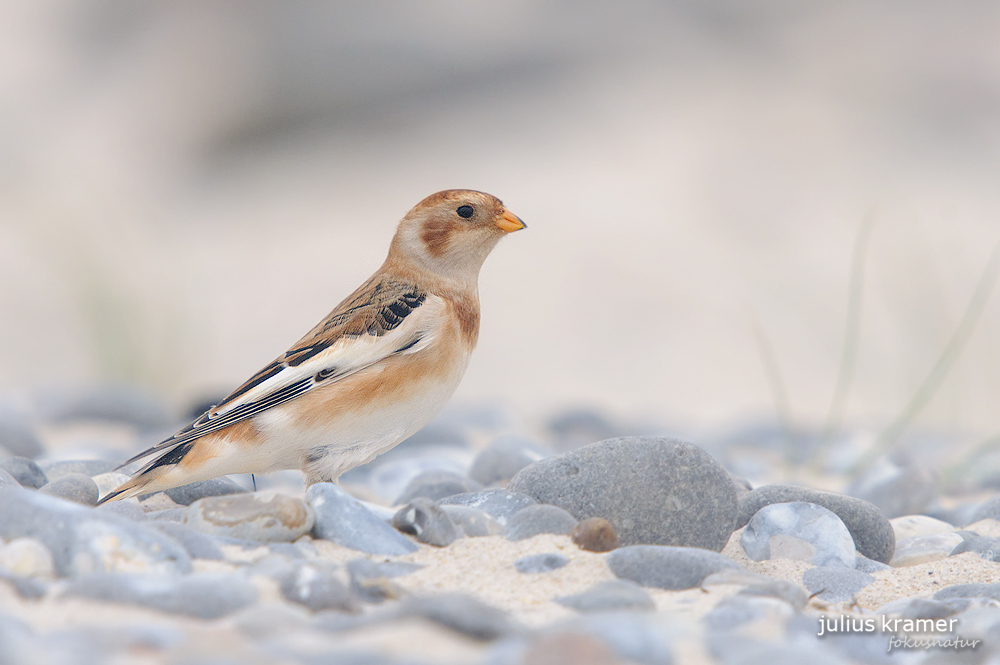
667,567
540,563
185,495
734,611
986,548
342,519
820,537
318,587
895,488
130,510
923,549
198,545
790,592
969,591
55,470
24,471
75,487
866,565
437,484
497,503
262,517
677,493
503,458
470,522
7,480
201,595
987,510
26,587
872,533
608,596
462,613
389,479
17,436
835,584
371,581
537,519
83,540
424,519
168,515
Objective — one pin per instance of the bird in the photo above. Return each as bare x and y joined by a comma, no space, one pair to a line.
369,375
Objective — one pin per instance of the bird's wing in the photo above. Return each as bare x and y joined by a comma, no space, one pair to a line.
385,317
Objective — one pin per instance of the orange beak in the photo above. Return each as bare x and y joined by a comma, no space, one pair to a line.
509,222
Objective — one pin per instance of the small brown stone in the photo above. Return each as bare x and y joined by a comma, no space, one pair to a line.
595,534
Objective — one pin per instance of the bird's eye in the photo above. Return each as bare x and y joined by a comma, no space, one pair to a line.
465,212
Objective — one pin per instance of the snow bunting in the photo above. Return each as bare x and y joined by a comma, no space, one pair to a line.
369,375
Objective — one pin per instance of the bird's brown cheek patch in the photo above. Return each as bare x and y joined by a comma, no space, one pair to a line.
437,235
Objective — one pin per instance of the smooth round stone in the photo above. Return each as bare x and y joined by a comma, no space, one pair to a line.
462,613
790,592
197,544
437,484
27,557
75,487
534,520
922,549
677,494
734,611
17,436
503,458
497,503
896,489
7,480
594,534
262,517
390,478
185,495
200,595
988,510
667,567
835,584
89,467
129,509
609,596
371,580
872,534
470,522
991,591
987,548
908,526
800,531
344,520
319,587
426,520
24,471
83,540
540,563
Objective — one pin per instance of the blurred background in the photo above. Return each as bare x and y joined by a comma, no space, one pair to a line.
187,187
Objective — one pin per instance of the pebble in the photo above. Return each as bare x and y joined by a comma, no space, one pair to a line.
502,459
866,565
677,493
835,584
185,495
168,515
201,595
923,608
197,544
991,591
7,480
342,519
800,531
540,563
437,484
319,587
54,470
24,471
908,526
987,510
986,548
872,533
83,540
17,436
470,522
129,509
372,581
734,611
389,479
462,613
533,520
667,567
921,549
594,534
424,519
497,503
790,592
75,487
28,588
896,488
609,596
27,557
261,517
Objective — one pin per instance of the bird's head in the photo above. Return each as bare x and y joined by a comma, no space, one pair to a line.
451,233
